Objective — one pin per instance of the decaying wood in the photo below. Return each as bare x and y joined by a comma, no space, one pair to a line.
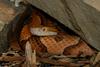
7,14
12,58
3,39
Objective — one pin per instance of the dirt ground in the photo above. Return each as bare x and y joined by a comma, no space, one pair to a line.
7,12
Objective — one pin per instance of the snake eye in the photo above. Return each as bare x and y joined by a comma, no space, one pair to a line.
44,29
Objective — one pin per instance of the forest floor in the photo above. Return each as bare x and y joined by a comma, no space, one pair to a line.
7,12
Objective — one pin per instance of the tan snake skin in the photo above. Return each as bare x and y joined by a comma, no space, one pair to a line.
54,47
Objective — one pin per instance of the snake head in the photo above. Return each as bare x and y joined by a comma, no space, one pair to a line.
43,31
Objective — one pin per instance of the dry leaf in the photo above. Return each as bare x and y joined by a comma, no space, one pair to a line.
11,57
55,62
97,59
87,65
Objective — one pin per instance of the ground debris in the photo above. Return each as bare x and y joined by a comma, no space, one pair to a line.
97,58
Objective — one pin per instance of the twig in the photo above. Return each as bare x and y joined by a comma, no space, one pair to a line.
30,57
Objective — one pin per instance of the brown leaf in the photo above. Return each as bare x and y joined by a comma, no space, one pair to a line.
12,58
87,65
97,59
